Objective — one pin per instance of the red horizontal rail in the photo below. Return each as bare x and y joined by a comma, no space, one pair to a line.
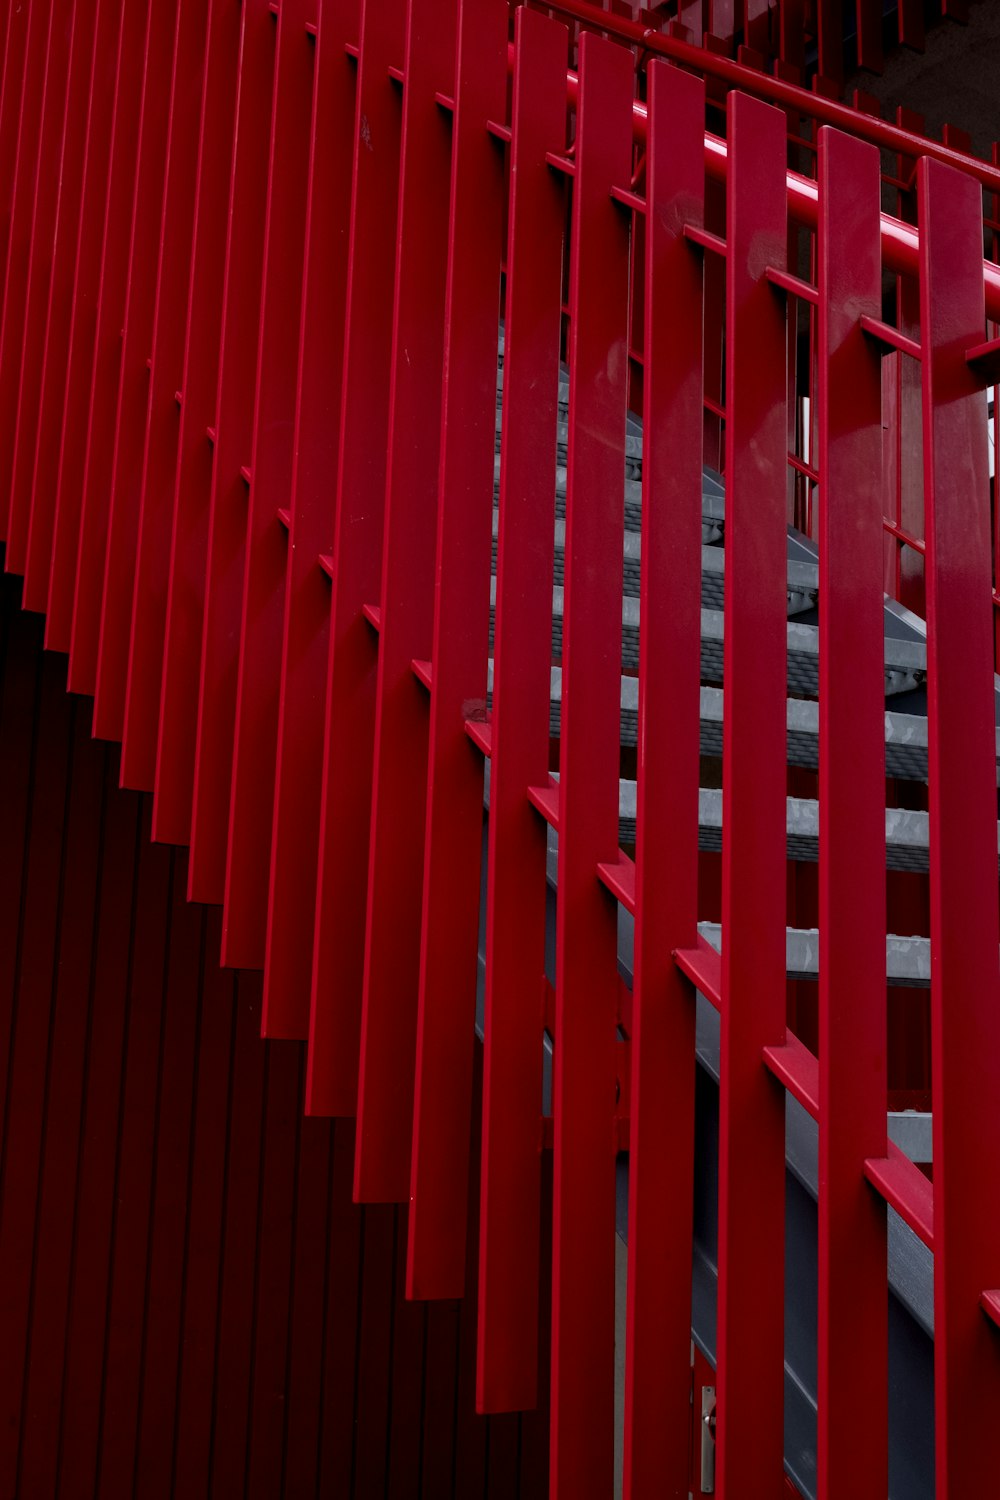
775,90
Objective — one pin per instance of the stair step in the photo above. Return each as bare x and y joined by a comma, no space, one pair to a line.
906,830
907,959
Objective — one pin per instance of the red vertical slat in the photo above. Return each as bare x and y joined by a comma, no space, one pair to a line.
68,35
751,1110
244,920
233,437
209,1152
85,129
132,1185
291,906
107,563
584,1064
869,31
15,43
852,1394
121,374
114,108
199,389
515,916
661,1132
25,186
86,461
229,1439
153,512
338,955
453,839
965,932
406,597
160,1327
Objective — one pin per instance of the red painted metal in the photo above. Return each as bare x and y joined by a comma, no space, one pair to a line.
406,618
344,815
584,1062
244,923
232,441
91,69
306,635
141,620
515,918
68,43
257,261
174,775
453,836
87,458
852,916
751,1108
965,931
665,889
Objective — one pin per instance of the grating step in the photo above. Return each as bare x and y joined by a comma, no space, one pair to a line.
907,959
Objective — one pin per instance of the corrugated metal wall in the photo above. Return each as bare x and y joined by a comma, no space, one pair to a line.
189,1302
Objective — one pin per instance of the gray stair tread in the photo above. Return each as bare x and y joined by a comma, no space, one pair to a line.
906,830
905,660
905,734
907,959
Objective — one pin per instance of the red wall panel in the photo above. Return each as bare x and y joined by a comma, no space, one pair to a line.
191,1304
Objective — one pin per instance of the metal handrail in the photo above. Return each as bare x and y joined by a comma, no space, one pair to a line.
776,90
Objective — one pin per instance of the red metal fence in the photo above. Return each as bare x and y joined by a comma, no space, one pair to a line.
249,401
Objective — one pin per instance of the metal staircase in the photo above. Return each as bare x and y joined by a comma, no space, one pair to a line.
456,670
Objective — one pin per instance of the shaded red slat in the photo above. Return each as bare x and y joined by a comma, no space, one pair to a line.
114,109
86,461
291,907
145,611
244,921
663,883
85,136
508,1285
439,1169
965,927
133,194
399,773
751,1110
63,39
584,1061
199,384
902,1184
852,912
15,41
227,533
338,954
21,211
108,537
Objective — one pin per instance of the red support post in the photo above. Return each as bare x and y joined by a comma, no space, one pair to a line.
233,437
510,1197
42,21
338,954
251,810
661,1145
965,931
185,589
852,1393
68,41
291,906
86,125
142,621
453,842
750,1347
106,557
113,125
584,1064
406,599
